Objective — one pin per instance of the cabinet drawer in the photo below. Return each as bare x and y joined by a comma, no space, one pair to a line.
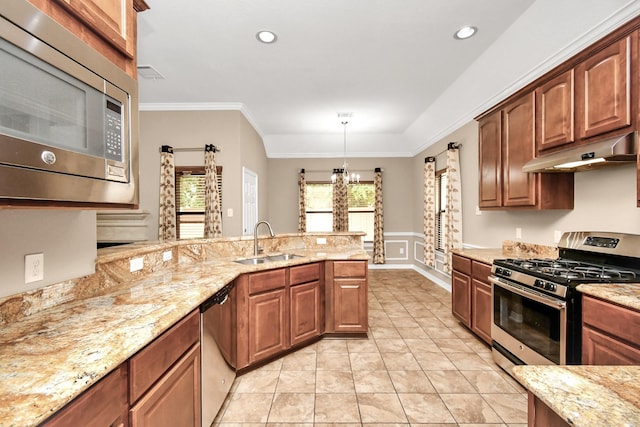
349,269
480,271
461,264
615,320
151,362
304,273
266,280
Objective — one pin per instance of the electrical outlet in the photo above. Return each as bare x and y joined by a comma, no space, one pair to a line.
401,251
518,233
136,264
167,255
229,212
321,241
33,267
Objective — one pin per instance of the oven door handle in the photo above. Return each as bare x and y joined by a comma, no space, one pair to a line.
542,299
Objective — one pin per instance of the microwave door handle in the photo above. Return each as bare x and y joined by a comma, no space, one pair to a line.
548,301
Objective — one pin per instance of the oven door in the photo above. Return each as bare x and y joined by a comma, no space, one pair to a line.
528,327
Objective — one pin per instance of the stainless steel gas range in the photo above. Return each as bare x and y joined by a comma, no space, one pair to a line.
536,308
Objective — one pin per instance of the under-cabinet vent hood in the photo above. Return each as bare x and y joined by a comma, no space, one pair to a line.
611,151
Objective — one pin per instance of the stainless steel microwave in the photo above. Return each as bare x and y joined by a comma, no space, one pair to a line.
68,129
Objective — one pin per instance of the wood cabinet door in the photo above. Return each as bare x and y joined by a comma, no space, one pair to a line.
461,297
305,312
350,311
603,99
490,153
104,405
481,315
175,399
518,147
267,324
599,348
554,112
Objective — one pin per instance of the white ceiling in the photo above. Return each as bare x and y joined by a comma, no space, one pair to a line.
386,61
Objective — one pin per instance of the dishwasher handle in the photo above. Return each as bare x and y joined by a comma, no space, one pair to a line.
218,298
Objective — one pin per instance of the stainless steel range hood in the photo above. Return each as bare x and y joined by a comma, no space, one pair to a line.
611,151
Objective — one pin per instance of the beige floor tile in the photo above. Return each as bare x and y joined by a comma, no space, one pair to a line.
411,382
423,345
368,345
248,408
366,362
337,408
470,362
258,381
412,333
512,408
434,362
488,382
452,345
292,408
296,382
392,345
383,333
425,408
381,408
299,361
333,361
470,408
400,362
332,345
373,382
405,322
449,382
334,382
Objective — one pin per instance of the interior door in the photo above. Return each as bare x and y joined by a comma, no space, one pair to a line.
249,201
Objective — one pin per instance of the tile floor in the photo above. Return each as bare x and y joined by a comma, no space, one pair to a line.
418,367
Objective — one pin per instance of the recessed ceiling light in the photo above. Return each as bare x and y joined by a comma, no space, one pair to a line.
266,36
465,33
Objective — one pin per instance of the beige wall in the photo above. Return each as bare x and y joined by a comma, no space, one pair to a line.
241,147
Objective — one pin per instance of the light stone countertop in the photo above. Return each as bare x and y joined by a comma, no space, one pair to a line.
50,357
586,396
625,294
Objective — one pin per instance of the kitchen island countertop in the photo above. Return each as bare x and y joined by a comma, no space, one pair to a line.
586,396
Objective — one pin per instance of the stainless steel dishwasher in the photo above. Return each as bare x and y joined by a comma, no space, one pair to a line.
216,375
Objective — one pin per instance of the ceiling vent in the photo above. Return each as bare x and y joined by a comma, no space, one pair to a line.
149,73
345,115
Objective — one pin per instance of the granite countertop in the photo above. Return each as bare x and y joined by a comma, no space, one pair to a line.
50,357
625,294
587,395
509,249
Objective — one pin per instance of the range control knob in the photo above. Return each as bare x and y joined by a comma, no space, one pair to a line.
538,283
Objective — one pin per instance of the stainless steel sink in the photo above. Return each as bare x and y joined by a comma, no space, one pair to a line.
266,259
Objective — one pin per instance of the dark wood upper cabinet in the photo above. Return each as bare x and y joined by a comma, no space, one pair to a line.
518,147
490,149
603,96
555,112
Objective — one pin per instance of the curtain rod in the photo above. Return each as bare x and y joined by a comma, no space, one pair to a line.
450,146
180,149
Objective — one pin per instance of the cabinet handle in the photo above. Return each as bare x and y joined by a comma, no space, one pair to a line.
349,286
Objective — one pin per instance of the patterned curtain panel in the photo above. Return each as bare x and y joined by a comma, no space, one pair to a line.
378,220
167,208
453,231
429,215
212,206
302,204
340,202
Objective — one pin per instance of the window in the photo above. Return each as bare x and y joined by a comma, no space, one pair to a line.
319,205
190,184
441,207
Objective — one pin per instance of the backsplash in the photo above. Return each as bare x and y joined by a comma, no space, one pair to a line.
113,266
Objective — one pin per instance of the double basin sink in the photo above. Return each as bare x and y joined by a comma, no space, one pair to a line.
268,258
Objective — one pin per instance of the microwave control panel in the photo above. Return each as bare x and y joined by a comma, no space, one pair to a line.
113,130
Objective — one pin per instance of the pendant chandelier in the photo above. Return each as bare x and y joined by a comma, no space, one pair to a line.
344,171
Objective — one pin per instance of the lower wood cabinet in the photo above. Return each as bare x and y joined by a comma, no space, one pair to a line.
541,415
103,405
471,295
164,383
609,333
306,317
346,290
159,386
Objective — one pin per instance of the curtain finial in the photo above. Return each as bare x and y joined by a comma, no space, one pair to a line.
453,146
429,159
302,170
166,149
377,170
